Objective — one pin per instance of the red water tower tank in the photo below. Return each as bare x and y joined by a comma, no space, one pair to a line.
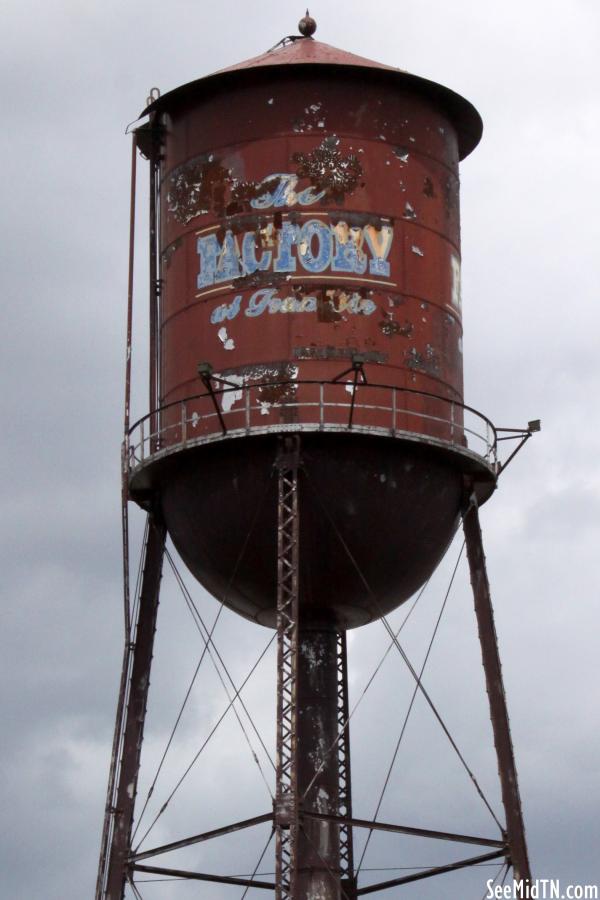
309,249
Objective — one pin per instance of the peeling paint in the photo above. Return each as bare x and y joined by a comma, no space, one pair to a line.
328,170
227,342
402,154
417,250
390,328
197,188
455,280
428,362
329,304
230,398
428,189
319,246
338,353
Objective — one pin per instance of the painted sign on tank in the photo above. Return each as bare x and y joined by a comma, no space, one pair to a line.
315,246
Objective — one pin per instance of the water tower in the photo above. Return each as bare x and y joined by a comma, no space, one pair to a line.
306,405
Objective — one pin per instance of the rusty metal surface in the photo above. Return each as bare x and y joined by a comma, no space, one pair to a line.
306,219
407,829
431,873
337,406
309,218
185,874
304,235
511,799
320,56
201,838
319,869
396,507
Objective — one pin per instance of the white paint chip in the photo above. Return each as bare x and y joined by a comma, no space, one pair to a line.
417,250
229,397
227,342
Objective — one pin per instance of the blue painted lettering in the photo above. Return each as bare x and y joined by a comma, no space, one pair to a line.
218,263
267,300
259,301
249,260
208,249
226,310
317,245
315,229
349,255
285,262
282,192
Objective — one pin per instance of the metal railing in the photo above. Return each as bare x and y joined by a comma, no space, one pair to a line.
289,405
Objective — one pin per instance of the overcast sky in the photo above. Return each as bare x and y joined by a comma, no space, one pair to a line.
73,75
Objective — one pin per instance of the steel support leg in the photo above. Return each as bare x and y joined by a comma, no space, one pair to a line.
515,829
348,883
113,875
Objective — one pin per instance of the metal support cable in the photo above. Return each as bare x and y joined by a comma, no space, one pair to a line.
330,872
410,706
206,637
406,660
443,725
368,684
205,743
133,887
257,866
175,726
223,599
501,868
485,865
210,636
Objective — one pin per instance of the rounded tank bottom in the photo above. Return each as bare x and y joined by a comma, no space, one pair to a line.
376,516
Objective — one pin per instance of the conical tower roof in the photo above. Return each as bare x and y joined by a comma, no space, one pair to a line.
314,55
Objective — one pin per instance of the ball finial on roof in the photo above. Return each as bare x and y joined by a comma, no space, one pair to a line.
307,25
